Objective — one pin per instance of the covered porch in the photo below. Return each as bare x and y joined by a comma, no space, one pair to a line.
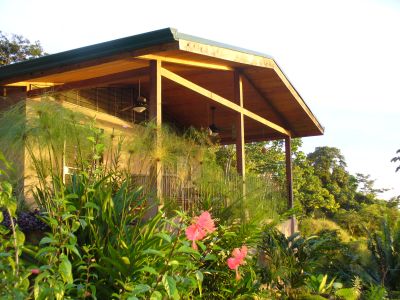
240,95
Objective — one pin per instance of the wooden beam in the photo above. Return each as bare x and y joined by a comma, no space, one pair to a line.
92,82
155,92
240,152
155,115
186,62
221,100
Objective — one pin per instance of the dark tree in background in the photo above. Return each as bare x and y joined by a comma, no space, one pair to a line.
15,48
396,159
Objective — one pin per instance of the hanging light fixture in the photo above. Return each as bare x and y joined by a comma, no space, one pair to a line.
213,129
141,103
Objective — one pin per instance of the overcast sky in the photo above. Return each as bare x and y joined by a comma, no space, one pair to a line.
343,56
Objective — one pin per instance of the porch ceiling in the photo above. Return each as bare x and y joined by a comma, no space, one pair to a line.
267,92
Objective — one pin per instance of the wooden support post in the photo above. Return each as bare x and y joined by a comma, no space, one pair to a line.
156,117
289,181
240,153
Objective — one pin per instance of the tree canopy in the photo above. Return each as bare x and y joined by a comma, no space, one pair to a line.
15,48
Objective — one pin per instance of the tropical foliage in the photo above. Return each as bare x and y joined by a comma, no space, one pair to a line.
96,234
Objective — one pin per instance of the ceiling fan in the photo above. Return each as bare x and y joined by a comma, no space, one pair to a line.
140,105
215,130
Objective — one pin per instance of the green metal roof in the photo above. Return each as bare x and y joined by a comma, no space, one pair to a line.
106,49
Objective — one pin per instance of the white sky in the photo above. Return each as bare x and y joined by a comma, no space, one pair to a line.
343,56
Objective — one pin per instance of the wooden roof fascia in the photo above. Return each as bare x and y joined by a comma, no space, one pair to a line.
186,62
92,82
297,97
146,43
221,100
227,54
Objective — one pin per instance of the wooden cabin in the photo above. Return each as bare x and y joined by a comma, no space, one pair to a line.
186,80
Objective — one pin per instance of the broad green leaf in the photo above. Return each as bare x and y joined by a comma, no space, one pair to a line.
140,289
6,188
199,277
83,223
20,238
1,216
170,287
75,226
166,237
126,260
47,240
65,269
188,250
74,250
156,295
211,257
72,196
173,263
11,207
154,252
149,270
91,205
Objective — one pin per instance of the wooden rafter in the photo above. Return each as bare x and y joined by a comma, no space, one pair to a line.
221,100
281,118
92,82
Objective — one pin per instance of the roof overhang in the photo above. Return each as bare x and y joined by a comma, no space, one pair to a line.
193,62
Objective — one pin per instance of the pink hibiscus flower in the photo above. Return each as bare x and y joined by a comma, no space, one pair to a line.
202,225
35,271
237,259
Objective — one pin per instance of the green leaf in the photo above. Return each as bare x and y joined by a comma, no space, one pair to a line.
126,260
1,216
211,257
47,240
91,205
199,277
75,226
149,270
323,282
83,223
11,207
166,237
154,252
20,238
65,269
170,287
188,250
140,289
173,263
74,250
6,188
156,295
